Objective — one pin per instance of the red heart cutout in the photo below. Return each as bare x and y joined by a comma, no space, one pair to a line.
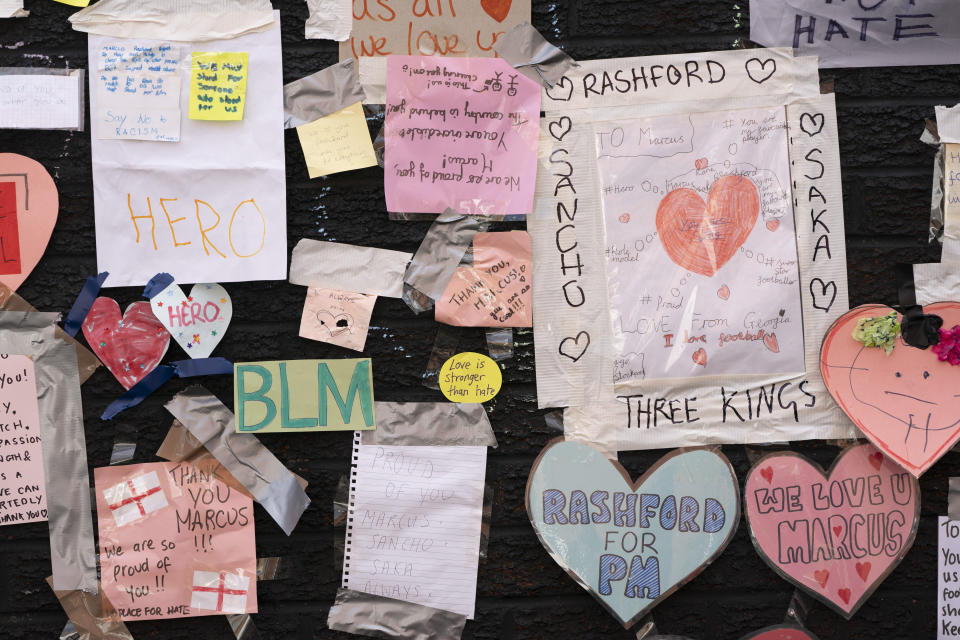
821,576
700,357
844,595
905,402
702,237
131,346
497,9
863,570
770,340
767,474
876,460
723,292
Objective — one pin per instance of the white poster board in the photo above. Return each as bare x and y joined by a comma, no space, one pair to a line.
209,208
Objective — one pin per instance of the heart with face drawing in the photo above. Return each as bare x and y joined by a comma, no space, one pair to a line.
906,403
335,324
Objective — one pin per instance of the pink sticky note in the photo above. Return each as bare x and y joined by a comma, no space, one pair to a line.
22,488
497,290
461,133
175,542
338,317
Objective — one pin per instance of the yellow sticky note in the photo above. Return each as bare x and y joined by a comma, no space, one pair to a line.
218,86
75,3
470,377
337,142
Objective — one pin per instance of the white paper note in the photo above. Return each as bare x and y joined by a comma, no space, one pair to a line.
416,514
34,101
948,578
329,19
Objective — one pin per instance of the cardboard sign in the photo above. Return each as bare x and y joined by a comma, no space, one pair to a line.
22,488
198,321
218,85
905,402
175,542
303,395
131,345
337,142
836,535
462,134
497,289
29,205
780,632
632,544
431,27
948,578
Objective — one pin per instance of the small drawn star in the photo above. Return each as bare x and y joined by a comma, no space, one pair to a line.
159,304
213,333
184,303
196,338
189,345
190,298
223,301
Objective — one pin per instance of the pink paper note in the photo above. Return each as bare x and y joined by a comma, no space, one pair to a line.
22,488
497,290
338,317
175,542
461,133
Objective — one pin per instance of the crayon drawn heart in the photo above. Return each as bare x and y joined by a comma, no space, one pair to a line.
497,9
703,236
700,357
624,218
196,321
588,514
836,535
29,205
780,632
723,292
131,346
906,403
773,224
701,163
335,324
770,342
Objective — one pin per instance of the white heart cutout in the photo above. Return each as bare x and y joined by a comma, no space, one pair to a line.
196,321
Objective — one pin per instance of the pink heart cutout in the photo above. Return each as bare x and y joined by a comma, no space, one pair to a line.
791,520
780,632
131,346
27,218
905,403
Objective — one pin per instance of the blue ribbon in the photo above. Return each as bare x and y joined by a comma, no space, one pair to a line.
81,306
159,376
157,284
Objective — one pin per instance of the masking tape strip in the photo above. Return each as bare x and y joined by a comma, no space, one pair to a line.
252,464
322,93
440,252
64,445
953,499
87,363
369,615
81,306
92,615
529,53
430,423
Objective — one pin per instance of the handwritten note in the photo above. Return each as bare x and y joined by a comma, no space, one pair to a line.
218,86
337,317
337,142
303,395
138,87
175,541
431,27
948,578
415,532
470,377
461,133
40,101
22,497
497,290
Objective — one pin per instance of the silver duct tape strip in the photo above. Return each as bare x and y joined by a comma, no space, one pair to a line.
430,423
444,348
44,71
72,551
244,456
530,54
953,499
500,343
441,251
122,452
91,615
348,267
365,614
322,93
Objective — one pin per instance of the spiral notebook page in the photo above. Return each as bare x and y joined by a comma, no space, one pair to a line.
413,531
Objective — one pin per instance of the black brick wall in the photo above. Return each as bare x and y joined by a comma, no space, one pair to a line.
521,592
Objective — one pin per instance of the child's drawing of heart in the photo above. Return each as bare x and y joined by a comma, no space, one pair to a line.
723,292
497,9
335,324
770,341
703,236
131,346
773,224
700,357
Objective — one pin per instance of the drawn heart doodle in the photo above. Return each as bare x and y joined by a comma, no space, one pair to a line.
497,9
905,402
335,324
723,292
700,357
563,125
702,237
773,224
780,632
131,346
837,534
757,69
30,204
688,502
820,297
562,91
572,348
770,341
811,124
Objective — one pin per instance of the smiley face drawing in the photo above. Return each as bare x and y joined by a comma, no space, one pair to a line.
907,403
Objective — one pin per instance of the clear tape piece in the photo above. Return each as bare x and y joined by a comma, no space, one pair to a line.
92,616
485,522
122,452
341,500
953,499
554,420
444,348
242,626
500,343
647,629
378,617
798,608
268,568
